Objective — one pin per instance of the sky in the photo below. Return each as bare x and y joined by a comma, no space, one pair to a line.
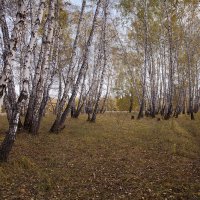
76,2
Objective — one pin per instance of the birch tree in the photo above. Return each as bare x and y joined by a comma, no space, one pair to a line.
60,120
9,56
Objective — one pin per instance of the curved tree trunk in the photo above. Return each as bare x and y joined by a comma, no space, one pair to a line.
16,106
60,119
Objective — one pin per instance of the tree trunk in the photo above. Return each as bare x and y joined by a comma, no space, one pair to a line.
60,120
105,46
35,123
140,114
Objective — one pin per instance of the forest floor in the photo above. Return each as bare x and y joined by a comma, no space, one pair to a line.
115,158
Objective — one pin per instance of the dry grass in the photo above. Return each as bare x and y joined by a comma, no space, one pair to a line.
115,158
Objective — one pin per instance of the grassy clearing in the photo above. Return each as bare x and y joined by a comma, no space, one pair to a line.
115,158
